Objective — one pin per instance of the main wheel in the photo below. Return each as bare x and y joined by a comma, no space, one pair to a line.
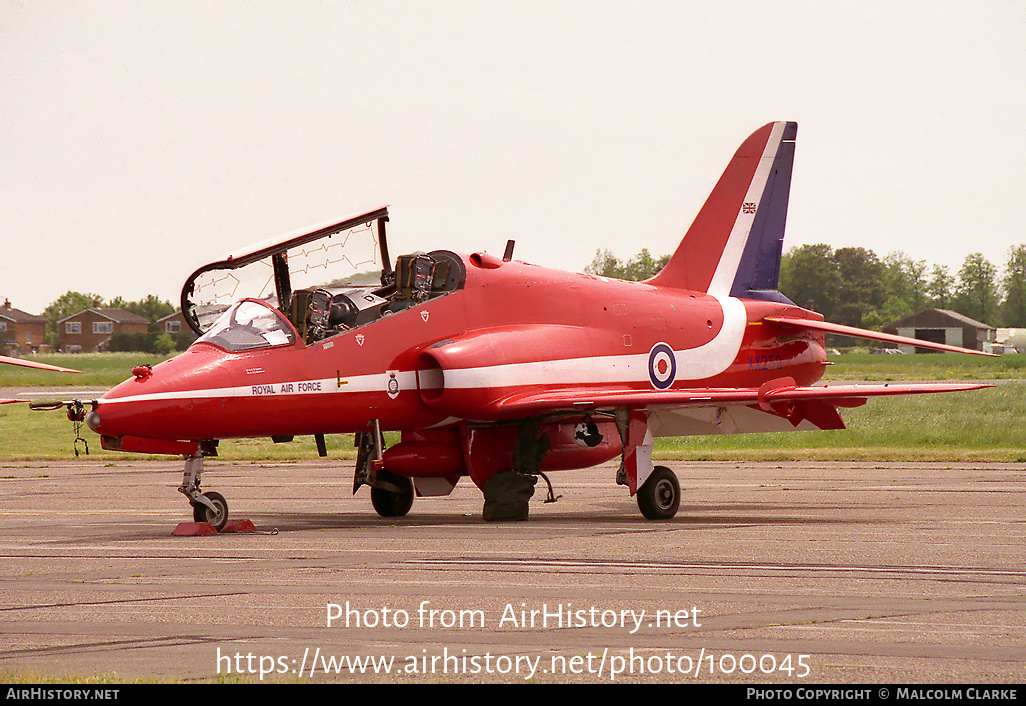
659,497
392,494
217,517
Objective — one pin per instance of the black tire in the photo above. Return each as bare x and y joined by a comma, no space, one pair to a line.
659,497
218,518
392,494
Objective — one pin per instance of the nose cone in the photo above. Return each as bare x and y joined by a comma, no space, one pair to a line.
159,403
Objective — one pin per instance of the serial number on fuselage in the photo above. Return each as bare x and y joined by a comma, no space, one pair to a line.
765,362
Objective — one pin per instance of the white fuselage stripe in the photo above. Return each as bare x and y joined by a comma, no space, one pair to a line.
699,363
693,364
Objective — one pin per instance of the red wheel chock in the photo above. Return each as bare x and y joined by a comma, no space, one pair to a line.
203,529
194,529
241,526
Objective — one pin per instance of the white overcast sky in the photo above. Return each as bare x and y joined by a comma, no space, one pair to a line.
140,140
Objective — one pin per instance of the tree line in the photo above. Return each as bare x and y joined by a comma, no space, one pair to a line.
854,286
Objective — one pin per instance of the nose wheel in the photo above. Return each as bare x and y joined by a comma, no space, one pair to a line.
216,513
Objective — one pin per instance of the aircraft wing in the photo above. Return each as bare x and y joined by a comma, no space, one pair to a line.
33,364
30,364
781,397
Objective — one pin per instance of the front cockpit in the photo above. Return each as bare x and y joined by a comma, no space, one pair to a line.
249,325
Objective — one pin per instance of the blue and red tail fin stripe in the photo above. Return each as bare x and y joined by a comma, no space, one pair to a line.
759,267
734,245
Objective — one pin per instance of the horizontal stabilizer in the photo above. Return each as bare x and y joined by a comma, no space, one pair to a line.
839,329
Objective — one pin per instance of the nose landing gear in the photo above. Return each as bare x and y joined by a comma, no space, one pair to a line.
206,507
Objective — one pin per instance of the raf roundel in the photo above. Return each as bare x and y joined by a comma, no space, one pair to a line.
662,366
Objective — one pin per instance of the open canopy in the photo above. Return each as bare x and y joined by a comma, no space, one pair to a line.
323,255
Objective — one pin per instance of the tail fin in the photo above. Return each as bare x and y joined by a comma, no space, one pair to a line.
734,245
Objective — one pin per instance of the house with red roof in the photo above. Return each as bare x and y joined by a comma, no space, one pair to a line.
91,329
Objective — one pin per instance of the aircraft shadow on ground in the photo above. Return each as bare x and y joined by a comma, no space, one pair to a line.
612,516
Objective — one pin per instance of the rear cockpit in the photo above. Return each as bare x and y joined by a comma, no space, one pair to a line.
331,279
323,312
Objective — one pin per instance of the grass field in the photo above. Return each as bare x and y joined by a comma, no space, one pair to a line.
942,366
985,425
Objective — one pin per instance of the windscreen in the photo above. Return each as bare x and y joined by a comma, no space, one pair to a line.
248,326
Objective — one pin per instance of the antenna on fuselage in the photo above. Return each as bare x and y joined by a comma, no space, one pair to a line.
508,255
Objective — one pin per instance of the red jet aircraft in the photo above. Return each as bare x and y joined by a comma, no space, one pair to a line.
494,368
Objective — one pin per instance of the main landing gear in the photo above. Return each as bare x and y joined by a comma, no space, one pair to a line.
391,494
206,507
659,496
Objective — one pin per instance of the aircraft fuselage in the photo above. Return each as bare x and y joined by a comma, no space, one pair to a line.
513,326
